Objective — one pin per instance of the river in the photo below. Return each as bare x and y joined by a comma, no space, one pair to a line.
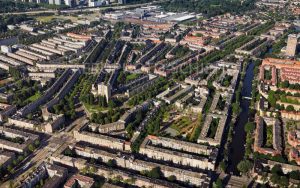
239,138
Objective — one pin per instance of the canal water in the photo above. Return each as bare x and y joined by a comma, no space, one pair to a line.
9,41
237,151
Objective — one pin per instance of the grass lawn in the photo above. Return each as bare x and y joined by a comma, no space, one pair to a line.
131,77
197,126
49,18
211,133
34,97
181,123
94,108
269,142
45,18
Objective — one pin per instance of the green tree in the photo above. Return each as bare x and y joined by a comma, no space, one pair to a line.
92,169
277,170
245,166
223,166
154,173
111,163
37,143
129,129
31,148
284,181
218,183
171,178
111,104
10,169
271,98
20,158
15,73
85,170
286,84
295,175
249,127
68,152
14,162
290,108
236,108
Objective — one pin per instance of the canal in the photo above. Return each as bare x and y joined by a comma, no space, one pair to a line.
239,138
9,41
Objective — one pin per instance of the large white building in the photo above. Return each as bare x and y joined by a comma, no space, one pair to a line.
69,3
96,3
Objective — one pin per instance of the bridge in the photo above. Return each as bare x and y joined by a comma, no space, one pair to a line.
248,98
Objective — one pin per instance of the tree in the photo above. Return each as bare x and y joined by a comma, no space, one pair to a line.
172,178
111,104
223,166
245,166
10,169
85,170
284,182
37,143
31,148
115,117
102,101
72,114
139,116
218,183
248,150
236,108
68,152
275,178
278,107
295,175
20,158
15,73
92,169
206,7
249,127
290,108
277,170
154,173
121,78
272,98
14,162
111,163
278,177
129,129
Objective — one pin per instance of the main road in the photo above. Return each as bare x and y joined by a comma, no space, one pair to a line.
47,148
84,9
